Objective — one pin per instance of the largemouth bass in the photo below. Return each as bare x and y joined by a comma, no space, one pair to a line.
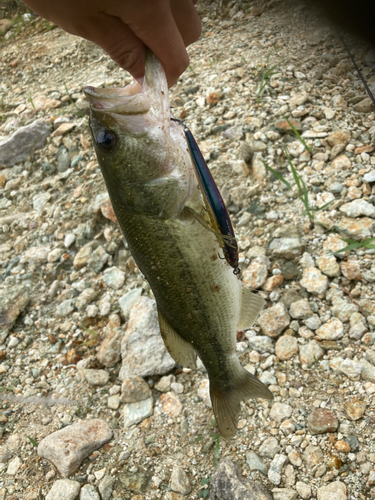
149,174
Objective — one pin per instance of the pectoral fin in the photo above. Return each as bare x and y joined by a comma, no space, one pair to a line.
180,350
251,305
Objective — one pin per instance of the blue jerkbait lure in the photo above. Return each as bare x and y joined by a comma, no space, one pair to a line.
218,214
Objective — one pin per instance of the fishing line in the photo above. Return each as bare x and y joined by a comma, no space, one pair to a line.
368,90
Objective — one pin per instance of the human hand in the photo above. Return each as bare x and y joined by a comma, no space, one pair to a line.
123,28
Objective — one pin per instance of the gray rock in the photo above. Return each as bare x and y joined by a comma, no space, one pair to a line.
368,370
284,494
136,412
114,278
143,350
89,492
303,490
356,208
365,106
269,448
98,259
333,491
276,467
109,351
134,389
128,300
14,466
268,378
300,309
204,392
256,274
68,447
36,255
23,143
82,257
256,463
355,229
280,412
85,298
314,281
63,159
64,489
96,377
335,188
106,487
343,309
135,482
313,323
40,200
13,301
352,369
333,329
306,261
164,384
312,456
370,176
179,481
256,146
329,266
227,483
261,344
234,133
274,320
310,353
289,248
286,347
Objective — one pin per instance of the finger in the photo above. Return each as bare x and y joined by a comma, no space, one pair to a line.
123,46
187,20
158,30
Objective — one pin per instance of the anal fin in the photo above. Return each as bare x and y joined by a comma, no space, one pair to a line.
180,350
251,305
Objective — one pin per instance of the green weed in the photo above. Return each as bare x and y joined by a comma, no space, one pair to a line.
79,112
192,69
352,245
206,482
302,193
47,25
32,441
4,389
296,133
266,75
32,102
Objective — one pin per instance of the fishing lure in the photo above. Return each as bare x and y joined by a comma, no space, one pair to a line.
218,214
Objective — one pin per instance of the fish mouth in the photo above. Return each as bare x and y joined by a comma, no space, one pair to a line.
130,100
147,96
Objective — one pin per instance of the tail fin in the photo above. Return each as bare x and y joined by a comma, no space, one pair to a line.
226,402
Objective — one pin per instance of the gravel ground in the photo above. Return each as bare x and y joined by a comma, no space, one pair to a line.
92,406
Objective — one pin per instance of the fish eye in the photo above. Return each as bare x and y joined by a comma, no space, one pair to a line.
106,140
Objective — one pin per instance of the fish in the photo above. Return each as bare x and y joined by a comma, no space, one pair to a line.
150,177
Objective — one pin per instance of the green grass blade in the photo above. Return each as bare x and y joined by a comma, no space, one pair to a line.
297,134
368,240
277,175
325,205
353,246
351,241
32,441
369,246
